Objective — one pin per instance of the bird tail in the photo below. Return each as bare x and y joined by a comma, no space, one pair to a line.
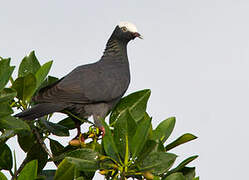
40,110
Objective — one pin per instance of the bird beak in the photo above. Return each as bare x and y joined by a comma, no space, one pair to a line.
136,34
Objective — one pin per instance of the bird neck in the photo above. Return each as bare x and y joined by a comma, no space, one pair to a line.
115,50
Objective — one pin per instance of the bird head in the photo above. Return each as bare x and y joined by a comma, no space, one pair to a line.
126,31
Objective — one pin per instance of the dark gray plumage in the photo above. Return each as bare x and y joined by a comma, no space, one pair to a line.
91,89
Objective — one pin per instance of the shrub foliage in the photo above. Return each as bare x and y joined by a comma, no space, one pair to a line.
131,148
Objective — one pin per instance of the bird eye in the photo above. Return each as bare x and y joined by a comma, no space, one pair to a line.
124,29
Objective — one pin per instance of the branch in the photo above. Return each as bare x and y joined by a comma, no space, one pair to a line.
43,145
14,177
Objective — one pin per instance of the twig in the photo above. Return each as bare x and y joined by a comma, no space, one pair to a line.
76,117
14,177
38,137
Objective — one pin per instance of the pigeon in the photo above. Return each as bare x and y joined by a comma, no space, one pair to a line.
91,89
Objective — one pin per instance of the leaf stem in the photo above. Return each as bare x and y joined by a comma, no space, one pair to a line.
76,117
126,153
11,80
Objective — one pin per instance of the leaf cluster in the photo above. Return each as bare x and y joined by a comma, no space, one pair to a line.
131,148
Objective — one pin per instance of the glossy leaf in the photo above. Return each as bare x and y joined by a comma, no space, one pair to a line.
5,72
48,81
5,109
29,171
183,164
84,165
108,143
54,128
12,123
188,172
56,147
139,139
67,122
136,102
181,140
48,174
38,153
175,176
42,73
158,162
7,94
125,126
25,87
65,171
6,135
64,152
2,176
80,178
26,141
29,64
164,129
196,178
150,146
85,154
5,157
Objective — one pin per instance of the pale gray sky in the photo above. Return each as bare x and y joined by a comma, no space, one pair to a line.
194,58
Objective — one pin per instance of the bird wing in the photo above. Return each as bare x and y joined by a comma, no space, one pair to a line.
88,84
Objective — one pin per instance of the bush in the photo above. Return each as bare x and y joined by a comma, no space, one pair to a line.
130,147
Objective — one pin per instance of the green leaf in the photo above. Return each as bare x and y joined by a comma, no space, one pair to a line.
6,135
2,176
48,81
183,164
175,176
42,73
108,143
26,141
5,72
67,122
89,158
86,154
29,64
197,178
188,172
49,174
25,87
164,129
56,147
136,102
84,165
149,147
7,94
158,162
181,140
64,152
38,153
139,139
5,157
29,171
12,123
5,109
80,178
125,126
54,128
65,171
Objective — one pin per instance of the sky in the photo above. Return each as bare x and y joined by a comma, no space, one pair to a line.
194,58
